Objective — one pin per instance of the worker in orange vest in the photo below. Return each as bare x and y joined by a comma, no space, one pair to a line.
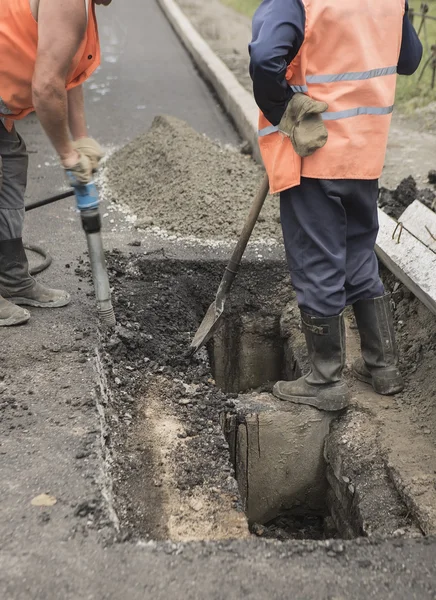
324,76
48,48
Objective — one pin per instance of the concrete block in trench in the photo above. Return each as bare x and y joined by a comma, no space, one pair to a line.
278,452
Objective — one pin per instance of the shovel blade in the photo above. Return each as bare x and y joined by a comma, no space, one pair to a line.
207,327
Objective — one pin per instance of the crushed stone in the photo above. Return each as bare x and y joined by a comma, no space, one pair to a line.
178,180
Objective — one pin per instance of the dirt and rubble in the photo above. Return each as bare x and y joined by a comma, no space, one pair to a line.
177,180
171,465
172,473
416,339
395,202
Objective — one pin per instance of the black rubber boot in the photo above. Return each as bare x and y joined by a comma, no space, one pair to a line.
323,387
379,363
18,286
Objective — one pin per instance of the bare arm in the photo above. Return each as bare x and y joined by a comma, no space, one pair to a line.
76,113
61,27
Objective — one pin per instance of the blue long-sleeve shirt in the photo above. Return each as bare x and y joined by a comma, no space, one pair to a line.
278,34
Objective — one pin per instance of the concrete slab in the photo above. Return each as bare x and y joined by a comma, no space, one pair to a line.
278,451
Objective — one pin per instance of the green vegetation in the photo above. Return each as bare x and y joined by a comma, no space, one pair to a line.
411,94
247,7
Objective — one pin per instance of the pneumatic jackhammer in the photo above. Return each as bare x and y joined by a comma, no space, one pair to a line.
88,201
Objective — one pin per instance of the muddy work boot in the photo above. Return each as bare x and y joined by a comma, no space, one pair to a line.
379,363
17,286
11,315
323,387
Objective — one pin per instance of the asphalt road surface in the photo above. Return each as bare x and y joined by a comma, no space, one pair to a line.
48,418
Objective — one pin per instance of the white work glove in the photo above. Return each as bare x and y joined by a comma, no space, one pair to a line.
91,149
81,172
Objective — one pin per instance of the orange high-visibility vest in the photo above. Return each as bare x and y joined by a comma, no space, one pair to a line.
18,52
348,59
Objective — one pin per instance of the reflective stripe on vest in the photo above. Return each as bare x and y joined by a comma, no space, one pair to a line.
358,76
356,112
343,114
336,116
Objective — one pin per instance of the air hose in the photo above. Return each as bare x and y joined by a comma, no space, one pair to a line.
38,249
45,263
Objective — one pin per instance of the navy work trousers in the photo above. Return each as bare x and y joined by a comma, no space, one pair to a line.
330,228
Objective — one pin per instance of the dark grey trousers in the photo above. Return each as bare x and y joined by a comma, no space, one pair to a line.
330,228
13,181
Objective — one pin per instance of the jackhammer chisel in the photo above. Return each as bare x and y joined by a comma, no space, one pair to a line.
88,205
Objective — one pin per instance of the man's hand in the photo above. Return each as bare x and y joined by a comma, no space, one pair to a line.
303,123
91,149
78,168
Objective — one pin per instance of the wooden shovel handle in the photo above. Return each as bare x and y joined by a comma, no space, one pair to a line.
238,252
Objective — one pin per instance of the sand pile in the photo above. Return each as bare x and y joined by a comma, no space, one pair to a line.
179,180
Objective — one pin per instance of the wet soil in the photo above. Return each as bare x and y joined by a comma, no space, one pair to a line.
416,338
171,466
180,181
296,527
395,202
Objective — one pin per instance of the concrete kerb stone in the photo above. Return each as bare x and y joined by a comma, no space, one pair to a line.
238,103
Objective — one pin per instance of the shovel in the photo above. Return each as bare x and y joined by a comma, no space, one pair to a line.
216,309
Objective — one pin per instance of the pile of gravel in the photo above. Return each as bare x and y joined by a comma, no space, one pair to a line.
179,180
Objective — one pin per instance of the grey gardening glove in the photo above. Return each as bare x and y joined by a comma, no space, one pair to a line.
91,149
303,123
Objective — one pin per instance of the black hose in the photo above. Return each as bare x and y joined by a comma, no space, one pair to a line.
45,263
37,249
51,200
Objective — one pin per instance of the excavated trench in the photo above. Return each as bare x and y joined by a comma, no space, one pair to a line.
200,449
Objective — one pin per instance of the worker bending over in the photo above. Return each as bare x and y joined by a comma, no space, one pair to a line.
324,75
48,48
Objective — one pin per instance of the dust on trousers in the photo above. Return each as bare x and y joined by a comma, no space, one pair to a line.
13,180
330,228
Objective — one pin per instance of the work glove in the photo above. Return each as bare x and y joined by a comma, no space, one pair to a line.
91,149
303,123
81,172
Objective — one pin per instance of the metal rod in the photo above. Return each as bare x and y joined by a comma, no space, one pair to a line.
51,200
100,278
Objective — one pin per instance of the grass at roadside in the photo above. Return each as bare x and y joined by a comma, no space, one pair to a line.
411,93
246,7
